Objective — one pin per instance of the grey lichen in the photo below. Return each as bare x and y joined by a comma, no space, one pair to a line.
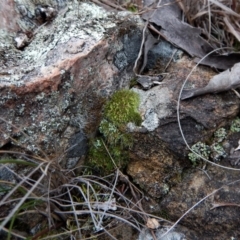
85,21
220,134
235,126
217,152
201,149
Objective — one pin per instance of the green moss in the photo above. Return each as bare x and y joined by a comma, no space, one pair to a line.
133,82
123,108
119,110
100,160
132,8
115,136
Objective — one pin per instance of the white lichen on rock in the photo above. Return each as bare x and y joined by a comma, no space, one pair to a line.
79,22
154,106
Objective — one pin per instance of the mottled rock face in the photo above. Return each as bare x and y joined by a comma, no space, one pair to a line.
56,85
203,219
153,167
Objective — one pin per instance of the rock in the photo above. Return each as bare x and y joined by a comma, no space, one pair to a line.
204,220
158,161
173,235
152,166
77,151
154,106
200,117
56,86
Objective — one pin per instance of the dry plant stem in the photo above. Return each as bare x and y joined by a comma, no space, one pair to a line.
109,155
231,28
110,197
26,195
119,206
45,231
178,116
24,154
209,20
132,191
13,233
48,204
170,60
216,205
109,234
236,92
107,214
141,49
204,172
75,216
226,9
20,184
113,188
142,43
86,200
190,209
152,7
150,26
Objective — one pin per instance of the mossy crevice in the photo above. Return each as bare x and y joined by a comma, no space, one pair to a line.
121,109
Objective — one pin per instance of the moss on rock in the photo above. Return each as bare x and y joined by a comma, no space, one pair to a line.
121,109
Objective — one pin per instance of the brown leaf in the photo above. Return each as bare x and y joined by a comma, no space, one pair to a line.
168,19
224,81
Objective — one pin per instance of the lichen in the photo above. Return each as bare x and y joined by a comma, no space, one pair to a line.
217,152
214,151
121,109
201,149
220,134
235,126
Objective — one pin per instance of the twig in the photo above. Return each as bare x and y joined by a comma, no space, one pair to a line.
216,205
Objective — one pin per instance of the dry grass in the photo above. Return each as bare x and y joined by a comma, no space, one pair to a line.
219,20
55,203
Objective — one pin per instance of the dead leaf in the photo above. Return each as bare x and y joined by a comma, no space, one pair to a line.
224,81
220,61
166,19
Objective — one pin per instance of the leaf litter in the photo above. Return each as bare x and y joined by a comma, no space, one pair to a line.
196,27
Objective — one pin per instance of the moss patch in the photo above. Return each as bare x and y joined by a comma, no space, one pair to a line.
121,109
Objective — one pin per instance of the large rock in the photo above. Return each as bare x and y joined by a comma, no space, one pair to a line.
165,174
55,86
217,223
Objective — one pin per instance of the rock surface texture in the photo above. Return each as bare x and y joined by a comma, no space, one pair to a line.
54,84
